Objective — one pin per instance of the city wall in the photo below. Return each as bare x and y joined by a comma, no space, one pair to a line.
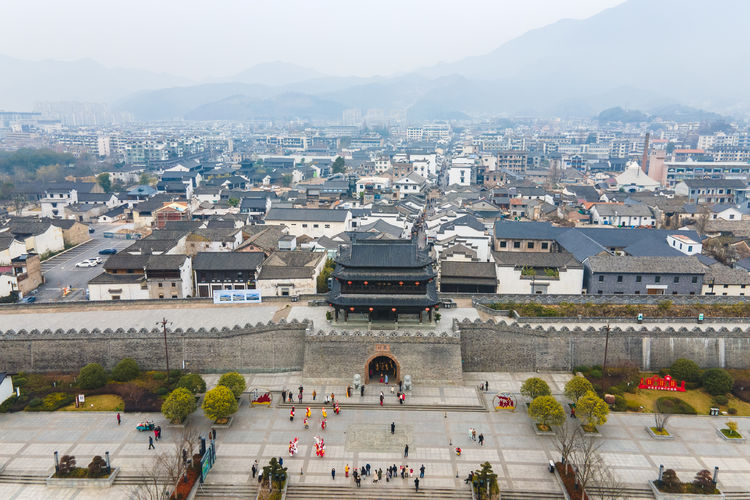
510,346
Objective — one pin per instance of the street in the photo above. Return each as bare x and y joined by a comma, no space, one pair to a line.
60,271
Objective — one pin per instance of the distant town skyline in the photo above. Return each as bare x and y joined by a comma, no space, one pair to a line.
332,37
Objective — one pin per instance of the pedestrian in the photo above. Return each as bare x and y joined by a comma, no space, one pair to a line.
254,468
400,399
300,398
380,474
346,471
386,379
260,478
283,396
290,396
156,434
486,386
381,378
333,473
416,483
421,471
400,386
333,398
573,412
158,429
281,461
367,468
118,419
381,398
406,451
362,390
314,394
393,389
363,471
481,440
151,443
471,433
393,427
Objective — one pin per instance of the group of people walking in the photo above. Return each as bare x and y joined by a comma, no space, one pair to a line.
377,475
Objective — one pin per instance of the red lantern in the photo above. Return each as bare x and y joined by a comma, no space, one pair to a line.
365,282
371,309
401,283
416,283
348,282
351,308
393,309
426,308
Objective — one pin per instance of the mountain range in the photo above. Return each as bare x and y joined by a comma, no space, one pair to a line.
641,54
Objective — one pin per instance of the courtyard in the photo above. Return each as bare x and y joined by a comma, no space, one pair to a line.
433,422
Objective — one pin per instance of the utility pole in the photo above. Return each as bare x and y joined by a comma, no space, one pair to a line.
606,345
164,324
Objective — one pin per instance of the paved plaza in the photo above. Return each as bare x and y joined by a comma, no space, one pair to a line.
361,435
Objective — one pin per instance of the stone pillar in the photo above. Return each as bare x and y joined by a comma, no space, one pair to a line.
646,354
721,347
420,317
337,314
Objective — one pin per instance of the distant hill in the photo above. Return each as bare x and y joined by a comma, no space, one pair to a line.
25,82
275,74
283,106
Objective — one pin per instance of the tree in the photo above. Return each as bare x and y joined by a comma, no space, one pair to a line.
566,439
670,481
534,387
67,464
235,382
274,474
685,369
219,403
322,284
485,484
97,467
547,411
192,382
577,387
732,426
717,381
104,181
126,369
339,165
586,460
233,202
704,481
660,420
179,404
592,409
92,376
286,180
146,179
50,173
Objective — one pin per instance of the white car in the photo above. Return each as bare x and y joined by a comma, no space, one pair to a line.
87,263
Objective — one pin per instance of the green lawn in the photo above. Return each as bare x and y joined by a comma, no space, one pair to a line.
104,402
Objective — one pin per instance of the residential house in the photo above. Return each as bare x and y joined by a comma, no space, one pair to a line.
290,273
169,276
226,271
74,233
21,273
710,191
312,222
213,240
467,277
124,278
722,280
411,184
537,272
615,274
611,214
39,235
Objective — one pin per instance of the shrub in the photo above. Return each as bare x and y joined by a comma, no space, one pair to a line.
577,387
534,387
721,400
632,406
179,404
581,369
219,402
55,400
547,411
161,391
192,382
620,403
158,375
717,381
595,373
674,405
6,405
670,481
126,370
35,402
92,376
731,411
685,369
235,382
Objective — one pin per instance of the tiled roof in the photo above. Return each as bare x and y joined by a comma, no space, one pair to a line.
652,265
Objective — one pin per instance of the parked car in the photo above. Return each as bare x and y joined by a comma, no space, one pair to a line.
30,299
107,251
87,263
91,230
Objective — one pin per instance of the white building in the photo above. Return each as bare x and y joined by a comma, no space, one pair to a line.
411,184
538,273
683,244
606,214
6,386
372,183
313,222
459,175
633,179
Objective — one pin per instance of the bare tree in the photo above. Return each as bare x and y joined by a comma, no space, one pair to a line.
606,486
660,421
567,439
153,485
586,461
701,220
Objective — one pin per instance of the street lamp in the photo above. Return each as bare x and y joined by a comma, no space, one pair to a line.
164,324
606,346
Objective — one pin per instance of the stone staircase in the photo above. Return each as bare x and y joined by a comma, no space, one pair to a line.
227,491
299,409
316,492
530,495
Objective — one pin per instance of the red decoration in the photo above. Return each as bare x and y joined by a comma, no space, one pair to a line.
371,309
661,384
365,283
426,308
416,283
393,309
351,308
348,282
401,283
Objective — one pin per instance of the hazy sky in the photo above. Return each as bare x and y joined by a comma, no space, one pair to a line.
215,38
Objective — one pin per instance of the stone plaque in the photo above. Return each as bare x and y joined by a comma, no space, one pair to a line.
382,348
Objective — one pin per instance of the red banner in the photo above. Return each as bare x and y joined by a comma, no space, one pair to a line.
661,384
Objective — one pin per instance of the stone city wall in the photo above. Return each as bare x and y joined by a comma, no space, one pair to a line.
273,347
423,355
490,346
